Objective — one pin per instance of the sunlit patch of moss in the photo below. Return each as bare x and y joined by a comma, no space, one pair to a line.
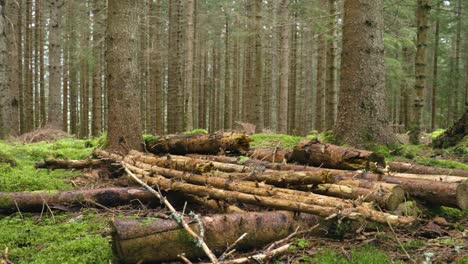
436,133
275,140
381,150
62,240
149,139
196,131
450,164
365,254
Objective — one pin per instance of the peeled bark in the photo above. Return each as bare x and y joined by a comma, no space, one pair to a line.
139,241
235,142
36,201
419,169
331,156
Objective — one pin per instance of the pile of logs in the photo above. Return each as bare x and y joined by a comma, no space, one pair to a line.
314,183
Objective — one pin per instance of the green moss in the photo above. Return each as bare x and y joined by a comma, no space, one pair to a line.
413,244
61,241
449,213
6,158
450,164
365,254
273,140
196,131
324,137
149,139
381,150
436,133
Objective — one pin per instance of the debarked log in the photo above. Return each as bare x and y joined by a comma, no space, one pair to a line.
336,157
234,142
404,167
142,241
36,201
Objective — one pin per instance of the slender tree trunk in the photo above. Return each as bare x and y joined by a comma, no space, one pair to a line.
236,78
55,119
435,74
73,86
189,46
362,109
28,88
98,27
124,115
42,25
330,79
275,32
292,78
227,78
3,72
321,73
422,17
457,73
258,66
284,67
13,34
158,75
36,86
21,69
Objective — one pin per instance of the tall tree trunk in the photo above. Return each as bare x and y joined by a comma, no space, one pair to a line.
457,73
28,87
362,109
435,73
321,73
124,115
189,45
72,62
236,77
258,66
21,69
3,72
158,74
227,78
292,78
150,85
330,79
55,119
275,32
13,34
422,17
98,27
37,102
42,25
84,98
283,15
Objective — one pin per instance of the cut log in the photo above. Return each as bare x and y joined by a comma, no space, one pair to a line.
419,169
232,142
439,178
138,241
269,154
34,202
453,135
69,164
336,157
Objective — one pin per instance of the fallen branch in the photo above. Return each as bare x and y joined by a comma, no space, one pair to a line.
69,164
176,215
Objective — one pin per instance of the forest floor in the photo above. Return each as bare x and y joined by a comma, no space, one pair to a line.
82,235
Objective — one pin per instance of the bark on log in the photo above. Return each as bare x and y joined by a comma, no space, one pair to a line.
336,157
454,134
69,164
269,154
419,169
137,241
232,142
438,178
33,202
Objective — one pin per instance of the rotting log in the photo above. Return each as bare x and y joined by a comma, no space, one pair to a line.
454,134
269,154
137,241
36,201
336,157
404,167
227,142
69,164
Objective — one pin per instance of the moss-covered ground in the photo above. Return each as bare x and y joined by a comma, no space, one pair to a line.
83,237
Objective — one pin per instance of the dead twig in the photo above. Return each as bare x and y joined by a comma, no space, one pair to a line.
179,218
231,249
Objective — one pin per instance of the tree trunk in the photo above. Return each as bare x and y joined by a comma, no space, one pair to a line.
200,143
435,73
283,15
189,46
35,201
137,240
362,111
11,114
419,169
98,27
331,156
124,113
72,66
227,78
3,72
454,134
321,73
28,102
422,21
158,74
330,79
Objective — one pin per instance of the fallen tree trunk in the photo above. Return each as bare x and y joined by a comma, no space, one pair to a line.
336,157
232,142
69,164
34,202
453,135
420,169
137,241
439,178
269,154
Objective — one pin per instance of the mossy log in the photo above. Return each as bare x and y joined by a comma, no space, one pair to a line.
227,142
454,134
69,164
158,240
404,167
336,157
37,201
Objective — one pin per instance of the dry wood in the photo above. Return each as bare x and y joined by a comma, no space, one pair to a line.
69,164
437,178
140,240
331,156
419,169
269,154
32,201
234,142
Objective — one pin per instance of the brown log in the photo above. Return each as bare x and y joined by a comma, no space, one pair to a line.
69,164
31,201
232,142
336,157
454,134
137,241
404,167
174,162
269,154
439,178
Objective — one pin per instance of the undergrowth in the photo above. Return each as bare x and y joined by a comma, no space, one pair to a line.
66,238
275,140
